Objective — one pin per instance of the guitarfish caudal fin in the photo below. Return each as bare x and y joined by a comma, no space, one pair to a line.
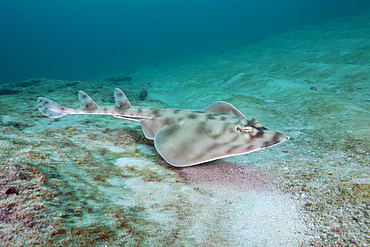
50,109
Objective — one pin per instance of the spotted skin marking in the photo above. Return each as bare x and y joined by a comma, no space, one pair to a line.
232,149
274,139
208,149
192,116
169,121
156,111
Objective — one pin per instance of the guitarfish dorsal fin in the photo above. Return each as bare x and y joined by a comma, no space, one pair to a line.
85,101
225,108
121,99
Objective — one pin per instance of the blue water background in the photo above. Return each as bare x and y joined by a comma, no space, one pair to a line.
65,39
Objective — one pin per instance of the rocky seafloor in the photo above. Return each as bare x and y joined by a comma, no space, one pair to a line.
95,180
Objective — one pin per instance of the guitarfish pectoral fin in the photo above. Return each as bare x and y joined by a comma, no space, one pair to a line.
192,143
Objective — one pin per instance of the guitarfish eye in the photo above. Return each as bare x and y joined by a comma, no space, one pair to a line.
243,128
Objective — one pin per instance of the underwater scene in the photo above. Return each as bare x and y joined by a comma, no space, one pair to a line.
146,152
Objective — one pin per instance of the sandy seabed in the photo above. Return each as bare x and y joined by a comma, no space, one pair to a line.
96,180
